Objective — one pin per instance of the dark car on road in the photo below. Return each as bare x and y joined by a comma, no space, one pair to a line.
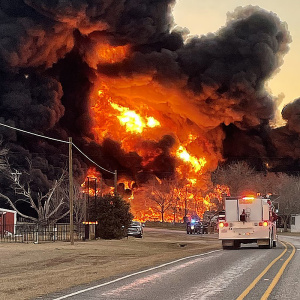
135,229
196,227
193,227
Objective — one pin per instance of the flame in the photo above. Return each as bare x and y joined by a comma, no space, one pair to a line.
133,121
136,109
189,202
197,163
109,54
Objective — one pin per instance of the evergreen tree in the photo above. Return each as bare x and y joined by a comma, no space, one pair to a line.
113,216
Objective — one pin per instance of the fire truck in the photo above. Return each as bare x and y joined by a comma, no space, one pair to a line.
248,220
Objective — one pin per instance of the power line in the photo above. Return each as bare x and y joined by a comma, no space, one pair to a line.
32,133
57,140
92,160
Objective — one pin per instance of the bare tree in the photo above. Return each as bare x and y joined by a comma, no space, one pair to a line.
49,206
240,178
80,207
163,195
288,190
237,176
3,153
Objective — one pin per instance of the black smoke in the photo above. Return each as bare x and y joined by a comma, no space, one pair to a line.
46,76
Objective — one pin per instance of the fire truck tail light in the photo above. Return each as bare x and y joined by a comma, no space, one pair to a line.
223,224
265,223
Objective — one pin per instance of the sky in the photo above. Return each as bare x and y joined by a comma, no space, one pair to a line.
204,16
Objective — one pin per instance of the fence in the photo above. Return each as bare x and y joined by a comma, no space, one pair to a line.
31,233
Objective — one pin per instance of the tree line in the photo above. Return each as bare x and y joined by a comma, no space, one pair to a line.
43,201
283,189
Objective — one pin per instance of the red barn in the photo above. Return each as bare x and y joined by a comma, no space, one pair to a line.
8,220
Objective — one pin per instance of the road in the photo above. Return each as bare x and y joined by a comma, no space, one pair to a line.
220,274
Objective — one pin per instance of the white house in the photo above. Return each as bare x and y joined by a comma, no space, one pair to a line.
295,223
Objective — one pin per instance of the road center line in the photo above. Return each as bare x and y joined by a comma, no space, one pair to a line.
279,274
256,280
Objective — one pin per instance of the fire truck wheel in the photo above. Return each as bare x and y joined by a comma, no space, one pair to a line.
274,244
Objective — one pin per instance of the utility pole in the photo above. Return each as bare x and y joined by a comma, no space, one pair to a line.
71,192
95,204
115,181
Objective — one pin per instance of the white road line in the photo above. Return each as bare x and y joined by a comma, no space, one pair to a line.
133,274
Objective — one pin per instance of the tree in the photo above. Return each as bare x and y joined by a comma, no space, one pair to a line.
3,153
80,207
164,195
47,206
241,179
113,216
288,190
237,176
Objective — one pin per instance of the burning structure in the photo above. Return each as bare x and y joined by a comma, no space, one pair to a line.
140,98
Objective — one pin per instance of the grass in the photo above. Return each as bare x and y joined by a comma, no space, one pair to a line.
289,233
166,225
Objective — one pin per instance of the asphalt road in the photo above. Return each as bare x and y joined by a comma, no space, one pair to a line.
221,274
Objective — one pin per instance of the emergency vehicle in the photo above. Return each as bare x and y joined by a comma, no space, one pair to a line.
248,220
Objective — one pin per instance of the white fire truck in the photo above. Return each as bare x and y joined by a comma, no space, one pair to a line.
248,220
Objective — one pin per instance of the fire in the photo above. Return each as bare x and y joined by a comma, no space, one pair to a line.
109,54
151,122
197,163
133,121
137,112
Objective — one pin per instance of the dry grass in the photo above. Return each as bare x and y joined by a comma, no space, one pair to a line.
32,270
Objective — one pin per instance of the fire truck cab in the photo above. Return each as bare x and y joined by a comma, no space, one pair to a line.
248,220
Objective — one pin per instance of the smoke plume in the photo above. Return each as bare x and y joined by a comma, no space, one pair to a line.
207,92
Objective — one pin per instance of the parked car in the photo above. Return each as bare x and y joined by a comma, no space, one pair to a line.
135,229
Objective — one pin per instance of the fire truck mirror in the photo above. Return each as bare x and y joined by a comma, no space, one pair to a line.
276,207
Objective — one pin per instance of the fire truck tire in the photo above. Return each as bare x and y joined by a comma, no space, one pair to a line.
274,244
